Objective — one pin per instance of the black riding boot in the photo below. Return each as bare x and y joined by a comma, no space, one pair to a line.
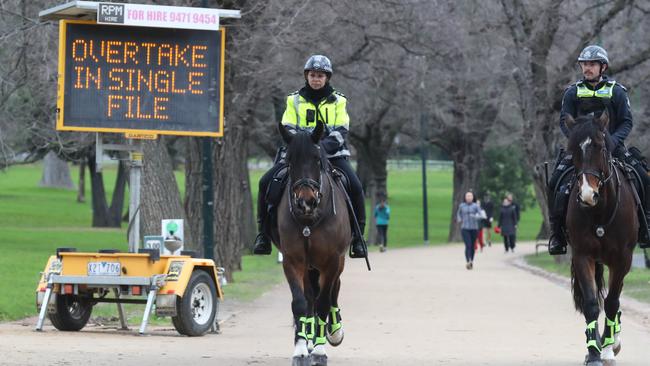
358,249
557,241
262,244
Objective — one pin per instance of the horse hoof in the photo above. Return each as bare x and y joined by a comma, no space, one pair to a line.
590,360
609,362
300,361
335,338
617,348
318,360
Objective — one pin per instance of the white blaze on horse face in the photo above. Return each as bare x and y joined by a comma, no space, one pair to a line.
586,192
584,144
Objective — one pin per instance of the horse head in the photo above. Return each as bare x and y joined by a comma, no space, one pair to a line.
306,163
587,145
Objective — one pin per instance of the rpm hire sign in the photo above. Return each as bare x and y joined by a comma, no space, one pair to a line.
139,79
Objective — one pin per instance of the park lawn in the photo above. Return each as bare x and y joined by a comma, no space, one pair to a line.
637,281
406,221
35,221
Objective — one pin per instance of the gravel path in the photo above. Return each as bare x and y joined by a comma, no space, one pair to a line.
417,307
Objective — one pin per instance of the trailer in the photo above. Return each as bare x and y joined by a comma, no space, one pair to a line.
181,286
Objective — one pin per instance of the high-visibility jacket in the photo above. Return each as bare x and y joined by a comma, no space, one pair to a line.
616,101
301,113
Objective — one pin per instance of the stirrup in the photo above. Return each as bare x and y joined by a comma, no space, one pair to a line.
559,248
358,251
262,245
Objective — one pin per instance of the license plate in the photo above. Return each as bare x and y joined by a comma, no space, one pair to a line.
104,268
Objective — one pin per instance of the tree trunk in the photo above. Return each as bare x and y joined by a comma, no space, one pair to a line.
81,192
117,201
103,216
467,163
98,194
160,197
56,173
233,207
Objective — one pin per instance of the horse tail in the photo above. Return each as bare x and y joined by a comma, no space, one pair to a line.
578,298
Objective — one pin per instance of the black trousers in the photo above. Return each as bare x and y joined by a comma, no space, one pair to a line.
509,241
356,190
382,235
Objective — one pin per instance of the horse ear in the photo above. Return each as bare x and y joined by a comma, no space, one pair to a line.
286,135
570,122
318,132
603,120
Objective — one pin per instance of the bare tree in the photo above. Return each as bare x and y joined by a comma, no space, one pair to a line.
546,38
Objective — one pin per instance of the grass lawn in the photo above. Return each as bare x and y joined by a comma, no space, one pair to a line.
35,221
637,281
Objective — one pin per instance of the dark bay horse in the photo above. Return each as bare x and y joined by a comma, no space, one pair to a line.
314,234
602,227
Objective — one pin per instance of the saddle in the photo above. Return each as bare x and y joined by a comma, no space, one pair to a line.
278,183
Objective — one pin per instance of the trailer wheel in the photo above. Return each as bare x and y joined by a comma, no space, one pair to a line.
196,310
72,312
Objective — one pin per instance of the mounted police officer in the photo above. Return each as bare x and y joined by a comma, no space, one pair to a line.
595,93
317,100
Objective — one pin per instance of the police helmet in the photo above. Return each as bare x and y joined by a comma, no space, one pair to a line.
594,53
319,63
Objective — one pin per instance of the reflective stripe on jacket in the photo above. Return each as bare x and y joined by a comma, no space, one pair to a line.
301,114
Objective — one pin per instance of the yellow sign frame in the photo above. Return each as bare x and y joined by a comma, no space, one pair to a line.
60,100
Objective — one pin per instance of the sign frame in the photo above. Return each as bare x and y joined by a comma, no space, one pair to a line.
60,123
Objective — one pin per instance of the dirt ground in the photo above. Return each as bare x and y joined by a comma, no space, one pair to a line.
417,307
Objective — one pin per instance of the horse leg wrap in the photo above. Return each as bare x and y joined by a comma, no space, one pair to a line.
320,333
592,336
306,328
617,321
334,320
610,327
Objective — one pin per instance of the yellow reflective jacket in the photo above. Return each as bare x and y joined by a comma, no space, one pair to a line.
301,114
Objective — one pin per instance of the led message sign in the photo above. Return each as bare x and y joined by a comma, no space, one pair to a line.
140,79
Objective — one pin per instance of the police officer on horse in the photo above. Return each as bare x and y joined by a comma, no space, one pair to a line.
595,93
317,100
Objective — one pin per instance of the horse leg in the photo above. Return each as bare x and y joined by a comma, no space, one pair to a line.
328,278
611,336
585,294
311,291
334,324
295,274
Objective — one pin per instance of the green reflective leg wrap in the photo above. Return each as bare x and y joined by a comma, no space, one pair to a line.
306,328
320,333
592,335
335,319
610,325
617,327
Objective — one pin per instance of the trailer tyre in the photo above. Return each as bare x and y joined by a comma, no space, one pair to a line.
196,310
72,312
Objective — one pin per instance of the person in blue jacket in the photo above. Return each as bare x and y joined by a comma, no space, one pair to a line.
382,216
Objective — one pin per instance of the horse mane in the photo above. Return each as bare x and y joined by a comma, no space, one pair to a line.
300,147
585,127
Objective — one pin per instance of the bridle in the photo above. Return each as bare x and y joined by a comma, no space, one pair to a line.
600,229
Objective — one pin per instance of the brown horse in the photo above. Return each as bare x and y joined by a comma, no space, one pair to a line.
602,227
313,233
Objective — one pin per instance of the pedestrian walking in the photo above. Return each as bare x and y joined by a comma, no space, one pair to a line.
488,206
468,215
382,216
508,218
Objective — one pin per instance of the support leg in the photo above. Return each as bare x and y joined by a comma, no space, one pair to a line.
147,309
46,300
120,311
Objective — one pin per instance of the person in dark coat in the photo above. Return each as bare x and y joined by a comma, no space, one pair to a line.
508,218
